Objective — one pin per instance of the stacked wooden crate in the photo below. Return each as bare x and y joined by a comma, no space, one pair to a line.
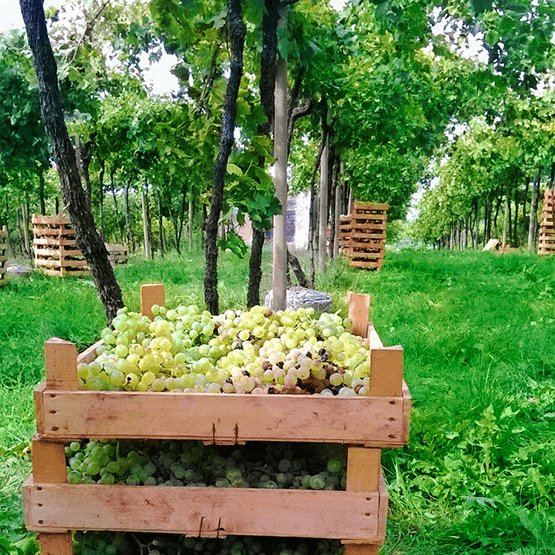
367,235
117,254
55,247
365,425
546,243
3,253
344,233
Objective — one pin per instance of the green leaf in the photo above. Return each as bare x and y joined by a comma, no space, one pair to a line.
234,169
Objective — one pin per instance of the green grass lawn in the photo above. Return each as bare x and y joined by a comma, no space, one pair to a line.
478,331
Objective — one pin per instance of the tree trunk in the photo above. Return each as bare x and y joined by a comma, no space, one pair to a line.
255,267
279,261
146,222
114,196
332,193
101,199
25,228
533,227
130,235
237,33
160,222
293,261
323,216
41,192
88,240
190,223
506,217
515,221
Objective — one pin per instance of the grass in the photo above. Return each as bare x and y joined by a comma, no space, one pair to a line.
478,332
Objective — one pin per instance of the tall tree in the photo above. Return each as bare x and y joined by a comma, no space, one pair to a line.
75,200
237,32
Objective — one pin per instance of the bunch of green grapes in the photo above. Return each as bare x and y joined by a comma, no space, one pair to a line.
118,543
187,463
256,351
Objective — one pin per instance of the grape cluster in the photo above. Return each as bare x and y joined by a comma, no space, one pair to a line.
257,351
193,464
117,543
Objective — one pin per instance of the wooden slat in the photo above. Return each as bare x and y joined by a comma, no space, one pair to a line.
56,544
365,264
60,219
367,420
49,461
203,511
89,354
386,376
359,312
151,294
363,469
50,241
61,364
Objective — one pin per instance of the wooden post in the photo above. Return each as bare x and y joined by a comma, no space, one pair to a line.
386,371
359,312
363,474
56,544
49,461
151,294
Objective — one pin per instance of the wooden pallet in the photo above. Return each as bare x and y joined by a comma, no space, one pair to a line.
546,241
367,235
3,253
364,424
117,254
55,248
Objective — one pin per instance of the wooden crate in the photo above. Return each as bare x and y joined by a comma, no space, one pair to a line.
546,242
3,253
364,424
117,254
344,233
55,247
367,235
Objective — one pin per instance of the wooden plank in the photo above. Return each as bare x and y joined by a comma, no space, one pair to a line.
49,461
359,312
363,469
407,405
368,420
386,376
361,549
61,364
151,294
54,241
56,544
203,511
369,206
59,219
375,341
89,354
365,264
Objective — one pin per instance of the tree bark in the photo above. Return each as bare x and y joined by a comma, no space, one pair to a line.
190,223
255,267
160,222
293,261
146,222
88,240
533,227
237,33
279,261
130,235
101,199
323,219
41,192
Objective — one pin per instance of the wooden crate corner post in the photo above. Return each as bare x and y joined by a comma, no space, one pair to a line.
48,457
151,294
359,312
